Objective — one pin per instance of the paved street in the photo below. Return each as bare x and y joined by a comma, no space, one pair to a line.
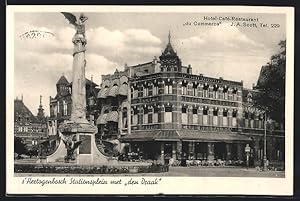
193,172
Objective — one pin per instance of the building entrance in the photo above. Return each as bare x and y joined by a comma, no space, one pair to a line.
220,150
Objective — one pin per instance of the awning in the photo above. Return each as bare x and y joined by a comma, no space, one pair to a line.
103,93
167,135
123,90
113,116
187,135
102,119
139,136
157,135
113,91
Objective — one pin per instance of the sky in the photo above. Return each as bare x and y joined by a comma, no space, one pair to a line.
113,39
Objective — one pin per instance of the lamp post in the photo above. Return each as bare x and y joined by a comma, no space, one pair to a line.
265,144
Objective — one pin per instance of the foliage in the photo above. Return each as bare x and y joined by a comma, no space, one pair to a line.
88,169
271,86
19,146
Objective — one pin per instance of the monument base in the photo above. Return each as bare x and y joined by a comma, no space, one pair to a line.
87,152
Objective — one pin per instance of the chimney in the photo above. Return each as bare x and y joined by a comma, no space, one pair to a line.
92,77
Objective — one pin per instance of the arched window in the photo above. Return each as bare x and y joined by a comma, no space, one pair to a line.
168,114
168,87
225,117
155,115
145,91
140,91
184,115
234,93
155,89
205,116
215,91
184,88
205,90
124,117
65,108
195,116
234,118
225,93
195,89
135,116
215,116
58,109
146,115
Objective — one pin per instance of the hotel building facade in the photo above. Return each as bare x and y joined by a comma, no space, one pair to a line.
163,111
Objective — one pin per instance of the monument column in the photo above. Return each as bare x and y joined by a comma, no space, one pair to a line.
78,132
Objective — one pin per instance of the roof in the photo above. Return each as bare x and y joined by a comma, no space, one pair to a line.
212,136
87,82
123,90
185,135
103,92
113,91
20,109
101,119
62,81
113,116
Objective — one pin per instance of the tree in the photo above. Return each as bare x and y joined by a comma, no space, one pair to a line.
19,146
271,86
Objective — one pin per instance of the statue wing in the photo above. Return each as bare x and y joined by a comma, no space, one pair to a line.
70,17
76,144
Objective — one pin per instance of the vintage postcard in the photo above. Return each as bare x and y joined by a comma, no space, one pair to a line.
150,100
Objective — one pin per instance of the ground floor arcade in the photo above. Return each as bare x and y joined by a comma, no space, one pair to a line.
173,146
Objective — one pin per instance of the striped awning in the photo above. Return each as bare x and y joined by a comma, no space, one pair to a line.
167,135
113,116
123,90
102,119
113,91
103,93
184,135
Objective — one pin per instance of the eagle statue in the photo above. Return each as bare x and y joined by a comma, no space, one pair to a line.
71,145
77,23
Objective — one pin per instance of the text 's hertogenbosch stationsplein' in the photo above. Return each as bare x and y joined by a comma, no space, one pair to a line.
161,110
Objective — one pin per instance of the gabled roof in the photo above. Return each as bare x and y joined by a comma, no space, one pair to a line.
62,81
87,82
20,110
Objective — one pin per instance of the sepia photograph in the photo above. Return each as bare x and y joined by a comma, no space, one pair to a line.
142,98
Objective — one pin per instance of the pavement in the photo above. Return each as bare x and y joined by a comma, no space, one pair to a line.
192,171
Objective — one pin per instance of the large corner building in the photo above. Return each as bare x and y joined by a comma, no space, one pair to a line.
165,111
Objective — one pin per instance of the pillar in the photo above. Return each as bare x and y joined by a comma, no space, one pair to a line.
230,117
200,116
210,151
257,161
228,150
174,144
162,153
210,116
239,151
220,117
